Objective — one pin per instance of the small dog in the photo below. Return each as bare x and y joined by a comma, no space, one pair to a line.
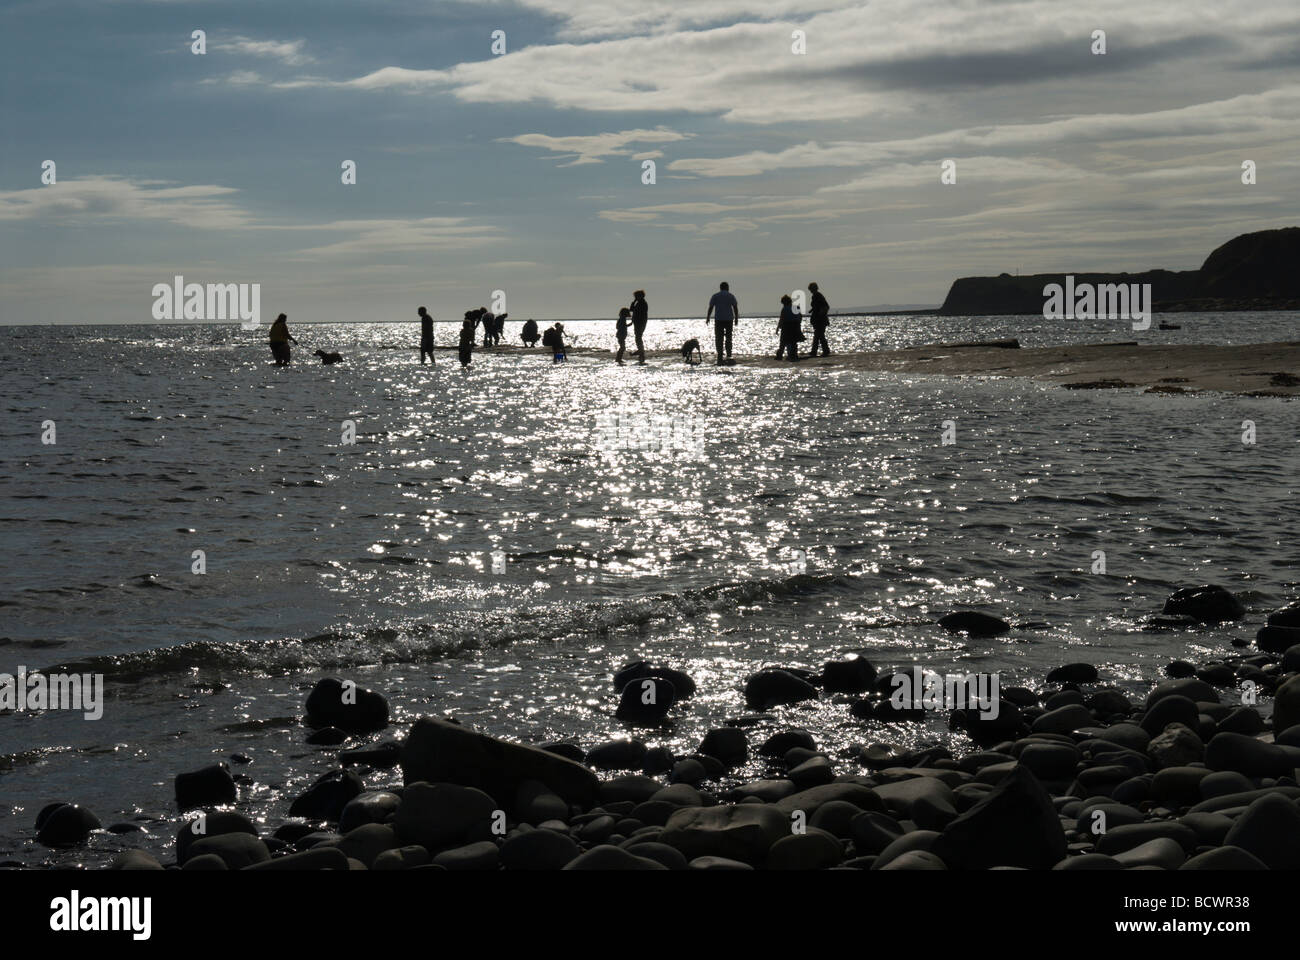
328,358
691,352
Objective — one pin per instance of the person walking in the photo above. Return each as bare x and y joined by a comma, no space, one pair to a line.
789,327
279,338
640,316
725,311
426,336
819,312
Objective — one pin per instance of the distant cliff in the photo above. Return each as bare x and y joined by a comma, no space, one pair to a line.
1255,271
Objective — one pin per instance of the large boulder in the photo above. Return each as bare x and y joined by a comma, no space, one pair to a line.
1208,603
210,786
437,751
1286,705
727,744
1277,639
65,825
1269,829
1073,673
974,623
854,675
1014,826
210,824
772,688
437,815
742,831
341,703
682,683
326,798
236,850
646,701
1175,746
1254,758
1288,616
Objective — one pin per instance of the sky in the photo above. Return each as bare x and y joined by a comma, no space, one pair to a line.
523,172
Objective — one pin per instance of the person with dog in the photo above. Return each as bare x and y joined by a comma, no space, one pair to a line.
725,311
640,316
819,312
620,334
426,336
280,337
789,327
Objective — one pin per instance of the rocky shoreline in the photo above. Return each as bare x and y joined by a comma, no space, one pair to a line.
1072,776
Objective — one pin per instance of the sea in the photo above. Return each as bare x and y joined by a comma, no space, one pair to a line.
213,535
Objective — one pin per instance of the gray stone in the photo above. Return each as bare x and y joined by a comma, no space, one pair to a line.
538,850
1270,831
1224,859
317,858
483,855
402,858
236,850
438,815
1163,853
1015,825
437,751
742,832
813,850
1175,746
608,857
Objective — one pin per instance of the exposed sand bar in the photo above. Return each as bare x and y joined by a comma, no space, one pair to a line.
1256,369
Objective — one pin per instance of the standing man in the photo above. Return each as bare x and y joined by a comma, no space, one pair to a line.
640,315
725,311
820,313
426,336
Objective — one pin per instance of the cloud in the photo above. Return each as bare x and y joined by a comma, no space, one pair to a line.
878,60
289,52
104,198
1273,112
595,148
115,200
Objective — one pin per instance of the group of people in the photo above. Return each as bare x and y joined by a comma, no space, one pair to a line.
723,313
789,327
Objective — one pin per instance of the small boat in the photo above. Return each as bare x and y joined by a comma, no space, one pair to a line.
1171,326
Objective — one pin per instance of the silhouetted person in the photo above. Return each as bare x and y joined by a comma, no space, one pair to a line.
640,316
426,335
554,338
467,341
725,311
489,325
790,329
499,329
280,337
819,312
529,334
620,332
